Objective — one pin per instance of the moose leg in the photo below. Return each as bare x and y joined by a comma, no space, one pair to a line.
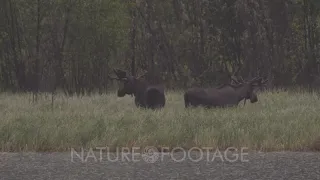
186,100
155,99
138,102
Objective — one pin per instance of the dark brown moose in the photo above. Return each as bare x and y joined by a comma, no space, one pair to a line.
227,95
145,94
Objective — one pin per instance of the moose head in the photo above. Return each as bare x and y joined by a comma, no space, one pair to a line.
246,89
128,85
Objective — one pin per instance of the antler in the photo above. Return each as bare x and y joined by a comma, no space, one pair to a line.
242,79
235,80
235,71
256,79
116,78
113,78
260,82
121,75
264,83
238,83
144,73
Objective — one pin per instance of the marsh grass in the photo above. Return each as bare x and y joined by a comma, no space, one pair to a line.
278,121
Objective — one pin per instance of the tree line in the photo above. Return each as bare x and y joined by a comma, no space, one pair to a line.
72,45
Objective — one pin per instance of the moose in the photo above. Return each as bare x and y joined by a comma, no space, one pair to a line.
226,95
146,95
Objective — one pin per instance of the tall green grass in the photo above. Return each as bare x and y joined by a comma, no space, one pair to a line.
278,121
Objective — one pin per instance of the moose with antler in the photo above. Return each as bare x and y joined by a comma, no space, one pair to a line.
145,94
224,96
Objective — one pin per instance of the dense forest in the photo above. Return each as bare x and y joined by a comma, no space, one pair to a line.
72,45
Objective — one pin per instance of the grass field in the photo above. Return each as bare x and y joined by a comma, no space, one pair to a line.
278,121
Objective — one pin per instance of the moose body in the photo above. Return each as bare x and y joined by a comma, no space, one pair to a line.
145,94
224,96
